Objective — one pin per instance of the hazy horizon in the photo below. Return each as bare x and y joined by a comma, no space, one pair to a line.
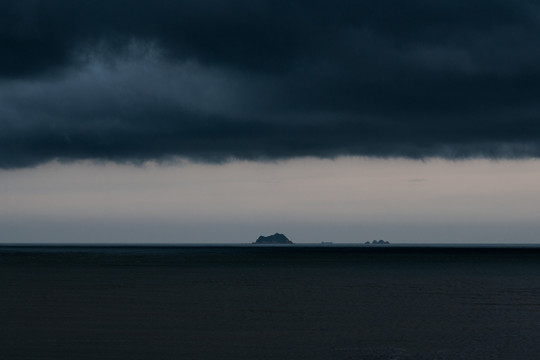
346,200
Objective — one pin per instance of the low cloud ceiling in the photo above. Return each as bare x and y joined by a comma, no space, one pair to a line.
131,81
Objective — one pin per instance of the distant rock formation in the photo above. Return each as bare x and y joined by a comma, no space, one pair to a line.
277,238
377,242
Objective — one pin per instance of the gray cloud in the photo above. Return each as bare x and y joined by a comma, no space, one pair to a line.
141,80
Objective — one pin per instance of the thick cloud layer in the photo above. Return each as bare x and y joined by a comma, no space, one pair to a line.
207,80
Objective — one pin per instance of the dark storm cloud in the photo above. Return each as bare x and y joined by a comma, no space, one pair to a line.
211,81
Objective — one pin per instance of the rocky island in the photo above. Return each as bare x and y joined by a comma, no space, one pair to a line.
276,239
377,242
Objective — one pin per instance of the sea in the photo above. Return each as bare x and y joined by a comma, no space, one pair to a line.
269,302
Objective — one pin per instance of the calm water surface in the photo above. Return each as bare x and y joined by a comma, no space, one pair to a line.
249,302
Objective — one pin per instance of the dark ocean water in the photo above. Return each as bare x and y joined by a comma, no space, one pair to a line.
251,302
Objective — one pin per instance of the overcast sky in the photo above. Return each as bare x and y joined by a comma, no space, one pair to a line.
210,121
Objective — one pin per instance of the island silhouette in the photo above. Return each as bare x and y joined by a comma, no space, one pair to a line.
375,242
277,238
